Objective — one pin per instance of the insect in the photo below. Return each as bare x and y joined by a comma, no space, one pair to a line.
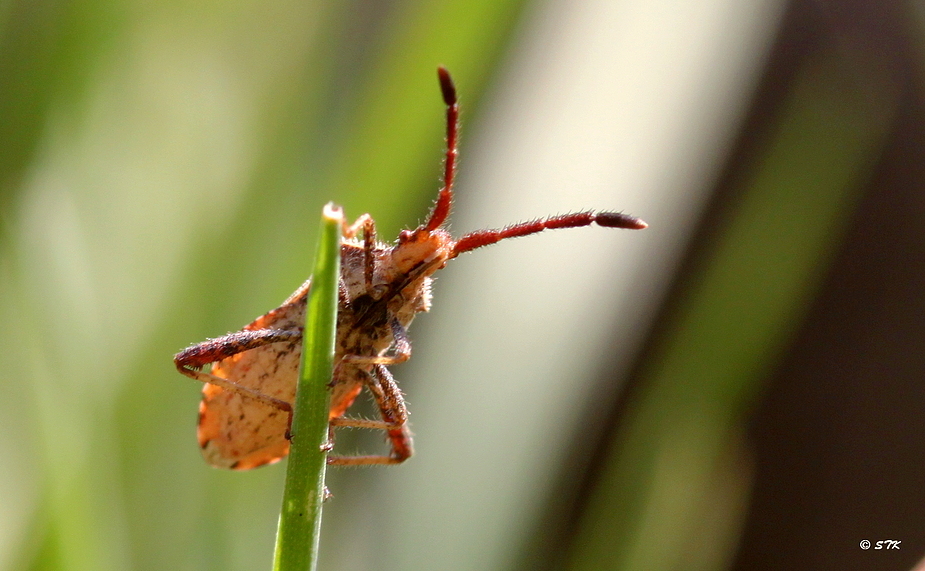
246,410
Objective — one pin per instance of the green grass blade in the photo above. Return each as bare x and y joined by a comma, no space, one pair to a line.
300,517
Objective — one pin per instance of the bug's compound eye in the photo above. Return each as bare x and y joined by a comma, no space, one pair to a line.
405,236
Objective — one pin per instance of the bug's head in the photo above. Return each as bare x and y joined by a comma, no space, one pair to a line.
431,236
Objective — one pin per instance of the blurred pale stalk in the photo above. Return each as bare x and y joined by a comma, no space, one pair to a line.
674,460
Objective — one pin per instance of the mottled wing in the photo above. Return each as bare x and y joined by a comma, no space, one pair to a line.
240,433
237,431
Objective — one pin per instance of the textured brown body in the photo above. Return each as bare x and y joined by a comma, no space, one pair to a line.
246,409
237,432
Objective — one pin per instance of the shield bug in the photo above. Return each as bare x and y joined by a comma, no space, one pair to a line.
246,410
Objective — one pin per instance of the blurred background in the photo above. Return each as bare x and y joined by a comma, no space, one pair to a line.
737,387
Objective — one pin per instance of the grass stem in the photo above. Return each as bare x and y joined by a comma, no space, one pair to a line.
299,530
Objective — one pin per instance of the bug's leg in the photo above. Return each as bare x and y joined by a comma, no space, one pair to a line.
394,421
401,349
328,444
369,246
388,398
368,225
352,230
191,360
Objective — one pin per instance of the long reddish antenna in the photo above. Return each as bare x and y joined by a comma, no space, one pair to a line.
445,199
480,238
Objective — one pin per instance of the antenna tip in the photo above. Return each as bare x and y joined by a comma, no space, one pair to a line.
619,220
446,86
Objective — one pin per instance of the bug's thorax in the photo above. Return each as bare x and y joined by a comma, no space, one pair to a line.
399,289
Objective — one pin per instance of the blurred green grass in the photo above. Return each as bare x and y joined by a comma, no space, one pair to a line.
163,167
